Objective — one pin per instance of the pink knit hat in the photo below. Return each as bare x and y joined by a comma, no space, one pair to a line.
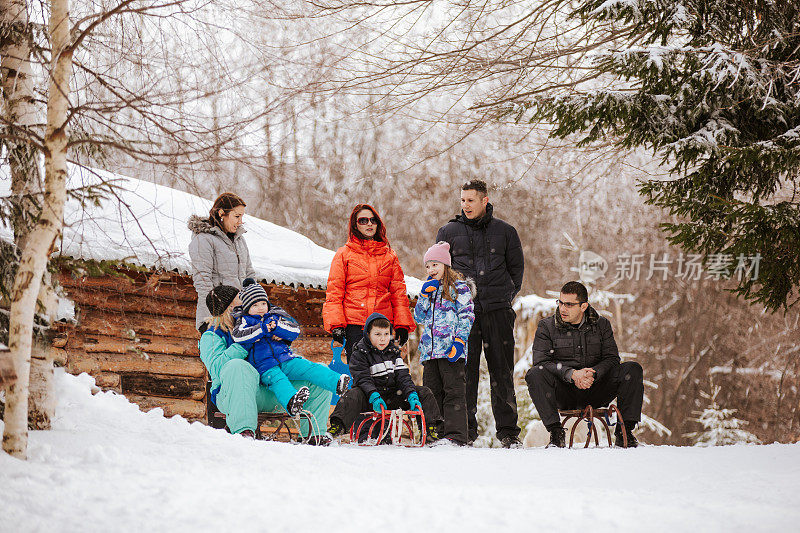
438,252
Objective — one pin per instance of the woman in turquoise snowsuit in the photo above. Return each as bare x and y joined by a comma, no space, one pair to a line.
236,389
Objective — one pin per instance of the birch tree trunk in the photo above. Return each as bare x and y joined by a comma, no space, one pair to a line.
19,111
42,238
22,121
42,400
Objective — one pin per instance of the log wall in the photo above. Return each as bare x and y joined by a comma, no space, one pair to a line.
135,334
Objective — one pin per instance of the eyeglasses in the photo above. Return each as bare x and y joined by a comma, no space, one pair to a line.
363,221
569,305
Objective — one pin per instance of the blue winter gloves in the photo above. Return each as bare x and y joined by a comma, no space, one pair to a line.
456,350
413,402
280,327
377,402
429,287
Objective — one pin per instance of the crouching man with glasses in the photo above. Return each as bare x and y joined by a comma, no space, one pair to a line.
576,363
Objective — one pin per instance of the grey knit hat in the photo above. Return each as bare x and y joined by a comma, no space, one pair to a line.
252,292
220,298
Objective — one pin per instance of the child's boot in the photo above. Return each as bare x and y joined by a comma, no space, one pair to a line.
295,405
337,428
318,440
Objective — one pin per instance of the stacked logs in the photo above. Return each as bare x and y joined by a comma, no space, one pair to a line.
135,334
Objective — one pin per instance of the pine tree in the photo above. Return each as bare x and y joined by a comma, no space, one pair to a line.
712,88
720,427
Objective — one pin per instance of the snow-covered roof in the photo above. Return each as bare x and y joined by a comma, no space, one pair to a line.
145,224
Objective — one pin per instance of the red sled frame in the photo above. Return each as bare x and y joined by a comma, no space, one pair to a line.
392,423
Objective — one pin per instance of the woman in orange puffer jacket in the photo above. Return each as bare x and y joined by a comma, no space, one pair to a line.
365,278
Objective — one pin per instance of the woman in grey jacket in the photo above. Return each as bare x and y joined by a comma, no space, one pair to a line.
218,251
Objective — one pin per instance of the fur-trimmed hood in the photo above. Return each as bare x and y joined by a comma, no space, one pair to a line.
473,289
198,225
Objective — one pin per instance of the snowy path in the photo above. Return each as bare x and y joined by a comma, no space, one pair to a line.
109,467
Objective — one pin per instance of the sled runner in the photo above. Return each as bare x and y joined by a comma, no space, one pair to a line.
395,427
590,414
281,427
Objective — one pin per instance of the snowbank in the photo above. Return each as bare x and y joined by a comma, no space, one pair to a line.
145,224
108,466
530,305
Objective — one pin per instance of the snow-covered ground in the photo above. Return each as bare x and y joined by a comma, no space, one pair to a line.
107,466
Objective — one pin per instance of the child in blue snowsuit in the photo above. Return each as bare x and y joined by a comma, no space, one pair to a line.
445,312
266,332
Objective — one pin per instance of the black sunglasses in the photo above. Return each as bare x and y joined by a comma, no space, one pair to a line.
364,221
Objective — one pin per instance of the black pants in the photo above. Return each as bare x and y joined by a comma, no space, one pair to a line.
448,383
354,402
352,334
623,382
493,332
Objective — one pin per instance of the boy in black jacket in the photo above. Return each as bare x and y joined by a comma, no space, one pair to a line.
381,379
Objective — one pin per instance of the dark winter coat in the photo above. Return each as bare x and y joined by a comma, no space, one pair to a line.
263,350
489,251
561,347
216,260
383,371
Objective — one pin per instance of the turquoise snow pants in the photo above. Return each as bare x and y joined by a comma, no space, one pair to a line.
241,397
277,379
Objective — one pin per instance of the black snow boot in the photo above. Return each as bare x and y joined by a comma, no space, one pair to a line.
337,428
618,440
318,440
295,405
510,442
558,437
432,434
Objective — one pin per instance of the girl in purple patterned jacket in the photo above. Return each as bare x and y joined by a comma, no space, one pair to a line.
445,312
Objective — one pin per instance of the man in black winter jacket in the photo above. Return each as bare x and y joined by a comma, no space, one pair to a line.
489,251
576,363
